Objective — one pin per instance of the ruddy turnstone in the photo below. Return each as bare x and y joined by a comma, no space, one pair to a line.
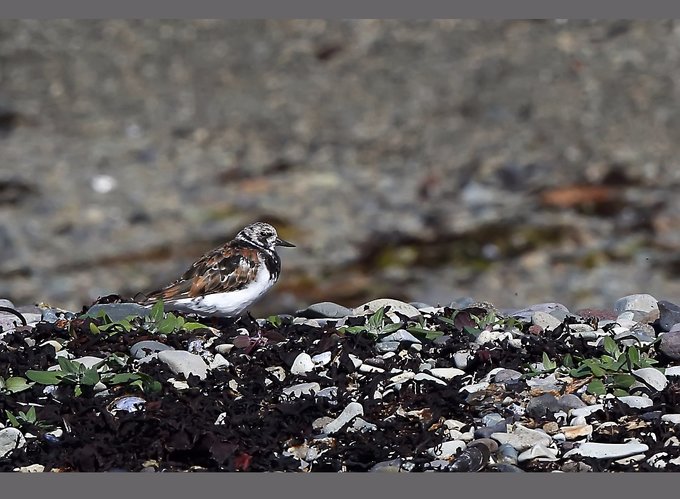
228,279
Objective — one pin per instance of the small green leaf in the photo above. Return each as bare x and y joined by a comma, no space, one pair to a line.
17,384
618,392
568,361
68,366
634,355
157,311
46,377
190,326
474,332
610,346
94,329
596,387
390,328
597,371
30,415
77,391
90,377
12,419
623,381
548,364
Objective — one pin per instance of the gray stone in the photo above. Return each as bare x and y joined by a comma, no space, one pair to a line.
145,348
6,303
392,466
641,302
541,452
608,451
488,431
542,406
185,363
118,311
10,439
387,346
323,310
492,419
555,309
672,371
669,314
545,320
462,302
570,402
400,335
462,358
506,454
395,306
652,377
522,438
636,402
670,344
587,411
505,375
352,410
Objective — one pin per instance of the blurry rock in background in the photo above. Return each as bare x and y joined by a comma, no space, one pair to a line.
515,162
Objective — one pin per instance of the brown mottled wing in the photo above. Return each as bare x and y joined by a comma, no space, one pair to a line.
227,268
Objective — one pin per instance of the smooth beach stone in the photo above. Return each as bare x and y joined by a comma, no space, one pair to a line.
399,336
557,310
505,375
10,439
446,373
352,410
545,320
144,348
392,466
542,406
395,306
669,315
522,438
569,402
653,377
608,451
639,302
302,364
506,454
118,311
636,402
323,310
670,344
540,452
185,363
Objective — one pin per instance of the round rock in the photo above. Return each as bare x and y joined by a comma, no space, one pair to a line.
670,345
144,348
302,364
639,302
324,309
182,362
669,315
10,439
542,406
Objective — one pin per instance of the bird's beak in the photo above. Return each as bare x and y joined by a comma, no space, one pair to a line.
281,242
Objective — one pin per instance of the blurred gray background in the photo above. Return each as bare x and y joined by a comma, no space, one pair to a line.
513,162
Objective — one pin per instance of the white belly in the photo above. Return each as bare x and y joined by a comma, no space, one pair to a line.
228,304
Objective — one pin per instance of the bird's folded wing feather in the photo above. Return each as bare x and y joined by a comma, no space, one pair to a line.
224,269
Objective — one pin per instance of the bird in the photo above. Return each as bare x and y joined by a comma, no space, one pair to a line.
228,279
